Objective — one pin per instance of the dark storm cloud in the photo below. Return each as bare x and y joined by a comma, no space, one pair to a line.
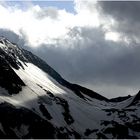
126,14
122,9
93,59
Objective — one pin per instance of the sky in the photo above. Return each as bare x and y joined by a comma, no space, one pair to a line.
92,43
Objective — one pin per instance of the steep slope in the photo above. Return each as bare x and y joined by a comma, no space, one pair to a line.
36,102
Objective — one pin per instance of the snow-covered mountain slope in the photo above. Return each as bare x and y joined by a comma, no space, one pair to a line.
36,102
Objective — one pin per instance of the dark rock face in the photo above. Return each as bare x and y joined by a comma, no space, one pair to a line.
66,113
89,131
9,79
127,122
117,130
136,100
89,92
12,119
65,107
9,55
45,112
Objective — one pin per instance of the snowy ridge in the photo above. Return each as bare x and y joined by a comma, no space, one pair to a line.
36,102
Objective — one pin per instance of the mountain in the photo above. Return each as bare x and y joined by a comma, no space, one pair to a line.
36,102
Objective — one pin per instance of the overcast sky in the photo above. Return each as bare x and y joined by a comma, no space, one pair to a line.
92,43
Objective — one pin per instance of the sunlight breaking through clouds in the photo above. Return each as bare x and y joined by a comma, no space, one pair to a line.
43,25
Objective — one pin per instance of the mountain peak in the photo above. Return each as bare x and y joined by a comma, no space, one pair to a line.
136,99
11,52
5,43
2,38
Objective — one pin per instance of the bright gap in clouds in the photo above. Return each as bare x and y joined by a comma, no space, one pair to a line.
112,36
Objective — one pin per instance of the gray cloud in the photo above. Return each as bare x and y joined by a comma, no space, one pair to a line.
126,15
122,9
95,62
51,12
12,36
